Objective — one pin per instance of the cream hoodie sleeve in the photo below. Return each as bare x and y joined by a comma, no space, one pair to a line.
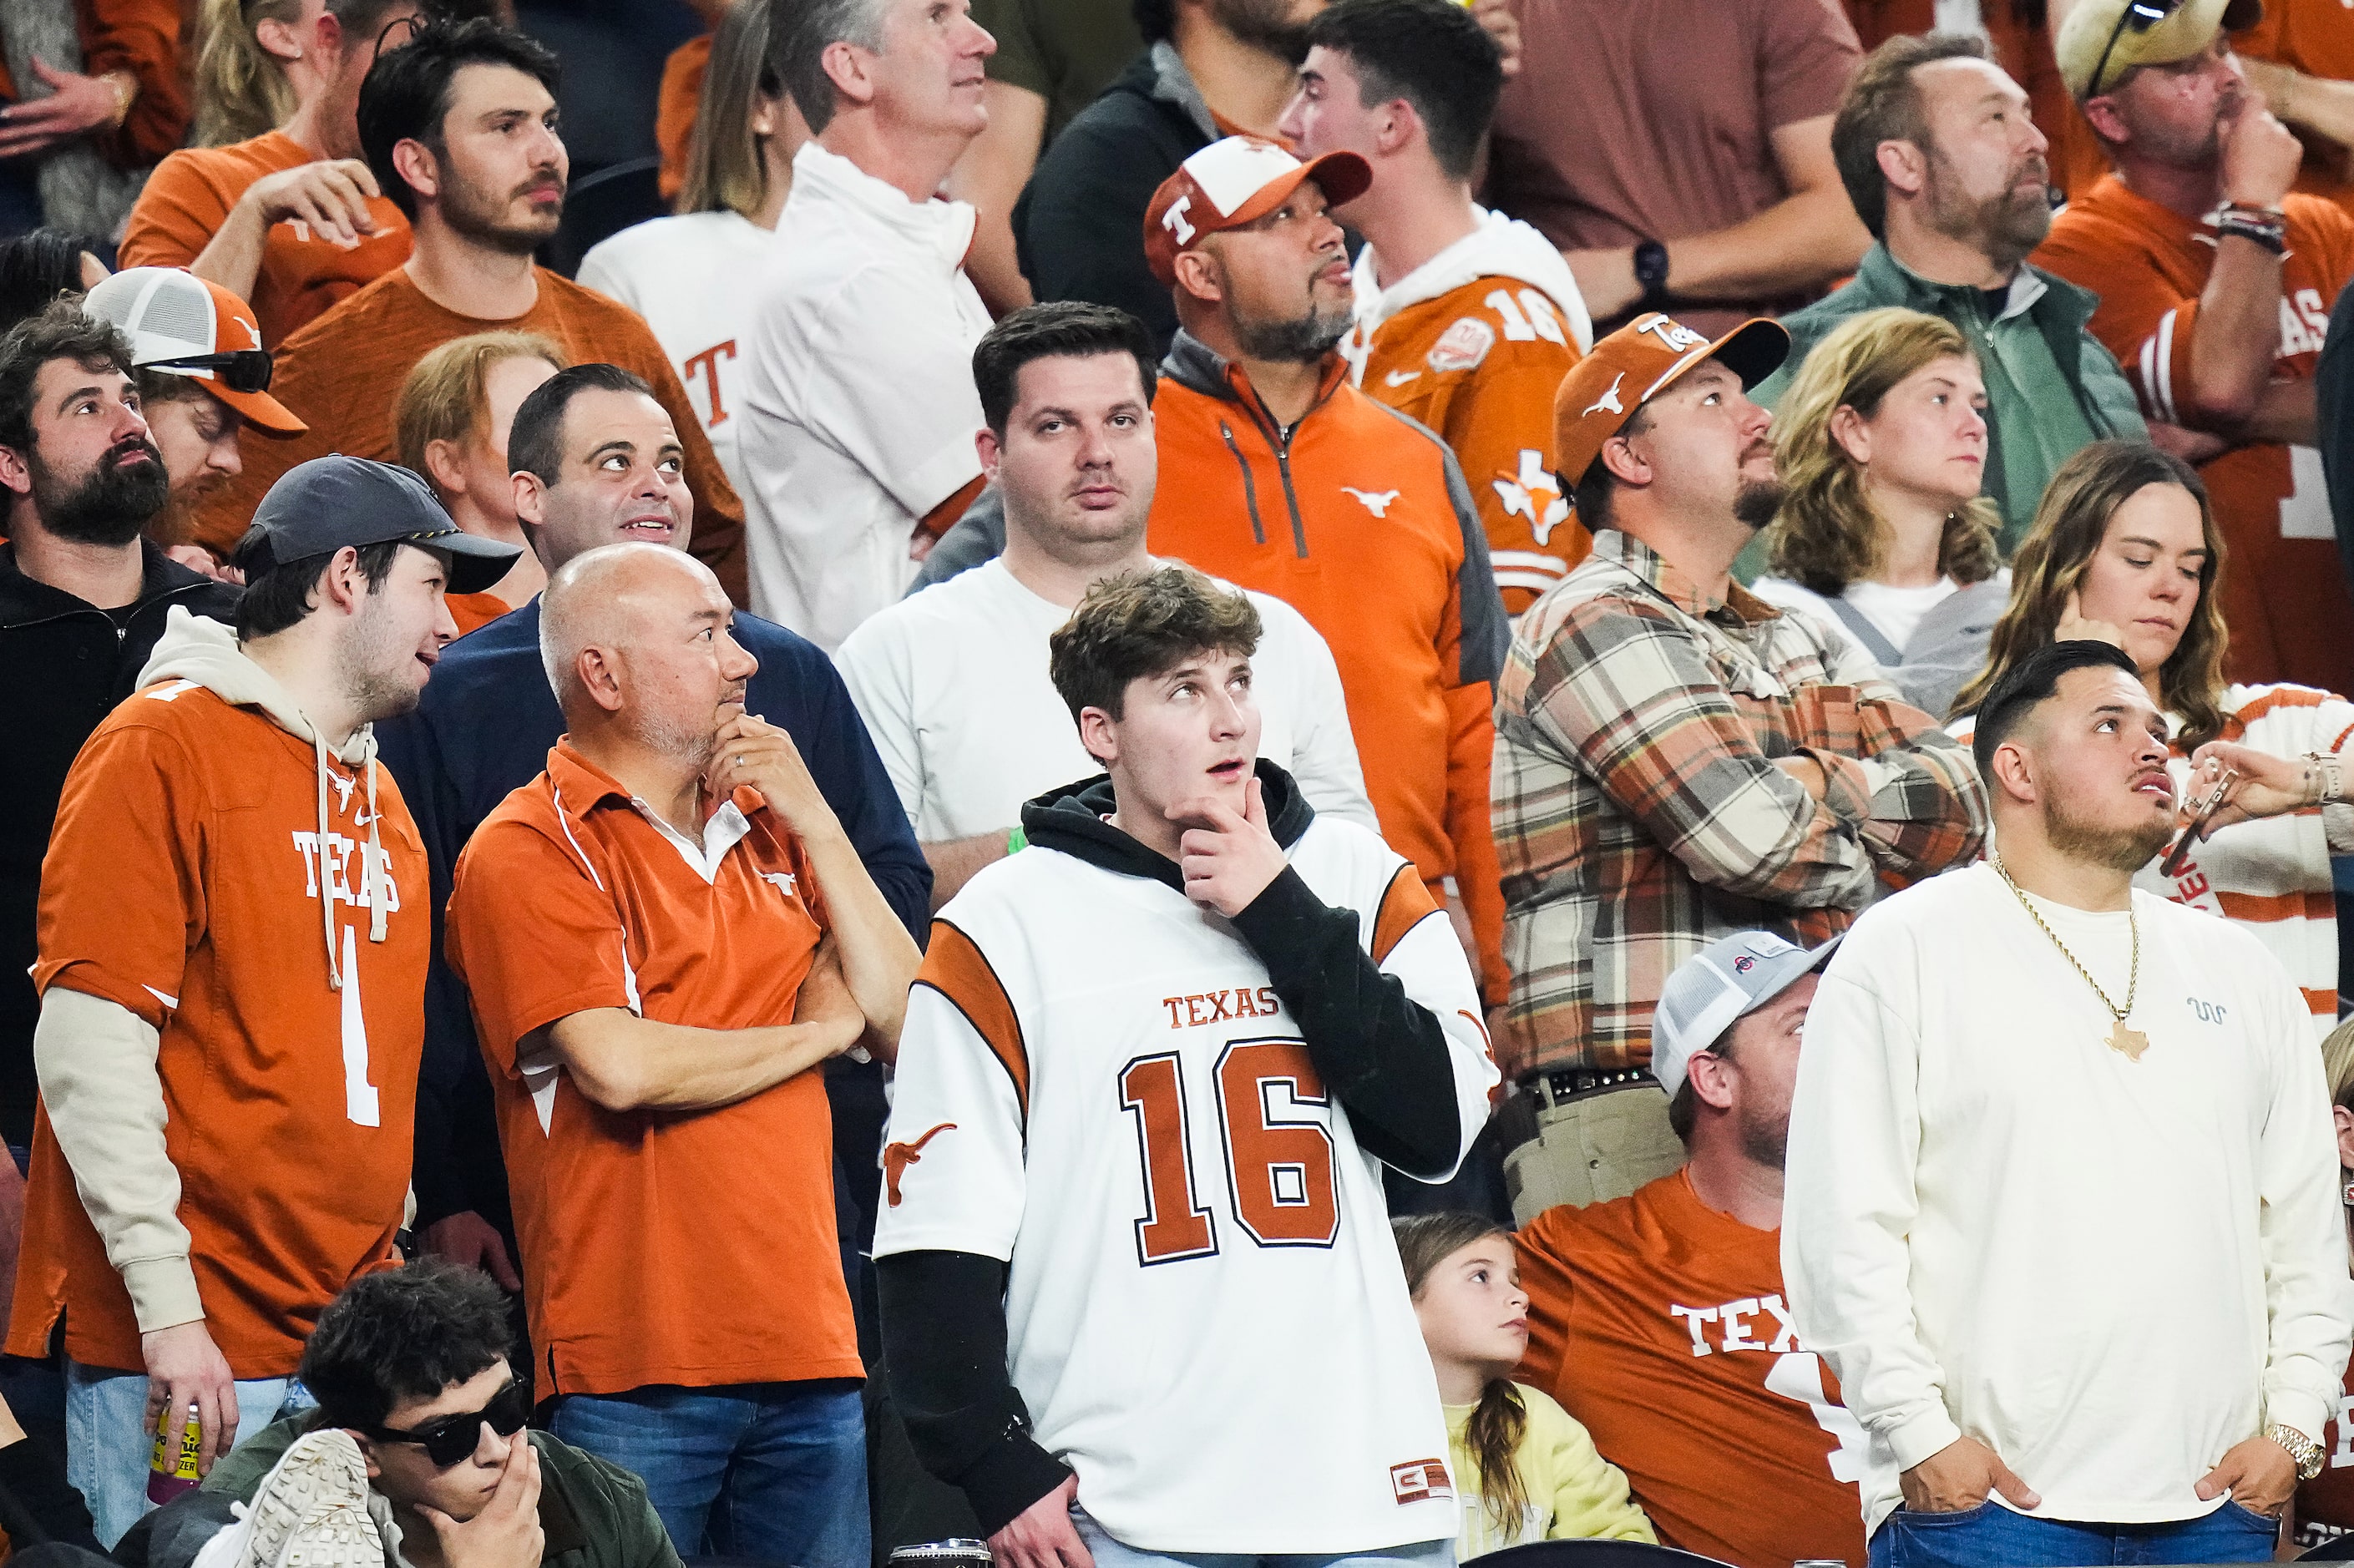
96,1061
1849,1203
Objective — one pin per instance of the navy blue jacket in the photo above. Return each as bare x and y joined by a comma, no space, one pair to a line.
484,730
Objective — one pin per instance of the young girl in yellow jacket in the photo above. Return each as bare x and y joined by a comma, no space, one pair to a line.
1524,1469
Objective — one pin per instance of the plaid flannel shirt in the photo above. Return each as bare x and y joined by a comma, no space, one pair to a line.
1639,813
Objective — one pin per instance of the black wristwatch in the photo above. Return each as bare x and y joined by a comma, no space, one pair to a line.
1652,273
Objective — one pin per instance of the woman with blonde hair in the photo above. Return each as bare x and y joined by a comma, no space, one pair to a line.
1881,444
2126,549
689,275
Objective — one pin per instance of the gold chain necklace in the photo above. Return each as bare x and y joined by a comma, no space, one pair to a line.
2127,1043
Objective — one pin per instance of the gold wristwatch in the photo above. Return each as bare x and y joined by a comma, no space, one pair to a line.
2301,1448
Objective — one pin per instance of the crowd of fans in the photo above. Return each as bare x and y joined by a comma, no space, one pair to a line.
1320,780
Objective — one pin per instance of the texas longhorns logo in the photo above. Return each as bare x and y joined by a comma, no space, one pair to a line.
1609,400
1375,502
897,1156
1173,220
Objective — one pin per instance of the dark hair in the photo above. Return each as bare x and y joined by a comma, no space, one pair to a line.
59,330
1500,1420
1433,53
1593,487
2030,683
1156,19
281,596
405,1333
2069,523
160,386
1058,329
38,266
1882,104
1138,624
406,95
536,439
798,36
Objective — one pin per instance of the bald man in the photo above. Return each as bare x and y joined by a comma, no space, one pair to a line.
666,934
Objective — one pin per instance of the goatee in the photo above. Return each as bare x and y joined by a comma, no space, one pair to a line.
1758,501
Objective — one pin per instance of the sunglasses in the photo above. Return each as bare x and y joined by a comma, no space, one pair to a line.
2141,16
454,1437
240,369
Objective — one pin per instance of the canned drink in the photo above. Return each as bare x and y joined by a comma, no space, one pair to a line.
960,1552
173,1469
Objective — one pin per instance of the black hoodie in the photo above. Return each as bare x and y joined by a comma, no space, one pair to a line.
1381,1054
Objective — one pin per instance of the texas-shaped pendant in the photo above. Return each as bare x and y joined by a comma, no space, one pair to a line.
2127,1043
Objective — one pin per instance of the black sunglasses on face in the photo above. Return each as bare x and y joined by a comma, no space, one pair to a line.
450,1438
2141,16
240,369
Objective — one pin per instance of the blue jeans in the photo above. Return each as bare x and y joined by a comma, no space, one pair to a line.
1991,1533
774,1470
108,1446
1110,1553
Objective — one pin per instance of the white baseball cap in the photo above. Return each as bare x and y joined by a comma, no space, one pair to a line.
1725,982
182,325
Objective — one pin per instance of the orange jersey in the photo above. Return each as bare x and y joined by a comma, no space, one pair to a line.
183,883
635,1225
2285,596
1480,365
473,612
2315,38
188,197
2325,1505
1662,1325
676,107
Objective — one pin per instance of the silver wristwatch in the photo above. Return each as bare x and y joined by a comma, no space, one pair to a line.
2301,1448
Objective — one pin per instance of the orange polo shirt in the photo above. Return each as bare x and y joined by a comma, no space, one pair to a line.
688,1247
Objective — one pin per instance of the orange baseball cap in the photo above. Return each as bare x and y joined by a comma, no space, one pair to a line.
1233,182
182,325
1635,364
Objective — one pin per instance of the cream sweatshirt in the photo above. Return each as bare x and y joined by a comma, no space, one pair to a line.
2108,1271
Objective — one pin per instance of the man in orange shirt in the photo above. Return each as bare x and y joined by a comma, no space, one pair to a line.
460,128
2300,56
1658,1319
292,219
2216,282
1467,319
232,884
1279,475
700,937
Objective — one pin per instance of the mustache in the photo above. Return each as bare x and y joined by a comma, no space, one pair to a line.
130,444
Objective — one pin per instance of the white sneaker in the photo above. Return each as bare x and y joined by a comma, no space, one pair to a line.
311,1510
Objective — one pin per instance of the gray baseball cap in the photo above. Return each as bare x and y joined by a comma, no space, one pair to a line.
318,507
1725,982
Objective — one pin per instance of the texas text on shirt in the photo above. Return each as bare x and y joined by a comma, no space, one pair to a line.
2109,1271
195,845
634,1224
1473,344
2285,597
1106,1085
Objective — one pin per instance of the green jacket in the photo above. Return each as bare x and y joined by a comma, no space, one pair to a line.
2088,372
594,1514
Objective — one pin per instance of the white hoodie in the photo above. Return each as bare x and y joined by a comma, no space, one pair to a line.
1500,247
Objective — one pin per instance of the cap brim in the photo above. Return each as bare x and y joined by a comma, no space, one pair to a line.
475,563
1342,176
260,410
1785,971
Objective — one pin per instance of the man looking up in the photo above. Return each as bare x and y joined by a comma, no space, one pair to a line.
858,405
701,938
953,684
1465,319
232,884
1134,1259
1676,759
459,127
2216,281
1287,479
2033,1097
1662,1313
596,461
1948,171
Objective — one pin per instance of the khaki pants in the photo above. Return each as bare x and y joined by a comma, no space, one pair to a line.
1591,1148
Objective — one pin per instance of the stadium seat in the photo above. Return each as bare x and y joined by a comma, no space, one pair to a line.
1595,1554
601,205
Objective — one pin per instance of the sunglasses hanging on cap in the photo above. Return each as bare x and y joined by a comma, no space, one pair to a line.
240,369
2141,15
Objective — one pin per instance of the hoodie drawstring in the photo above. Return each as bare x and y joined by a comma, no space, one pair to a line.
372,889
326,890
371,877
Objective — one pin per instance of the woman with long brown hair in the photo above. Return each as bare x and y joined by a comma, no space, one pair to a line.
2126,549
691,275
1524,1469
1882,446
